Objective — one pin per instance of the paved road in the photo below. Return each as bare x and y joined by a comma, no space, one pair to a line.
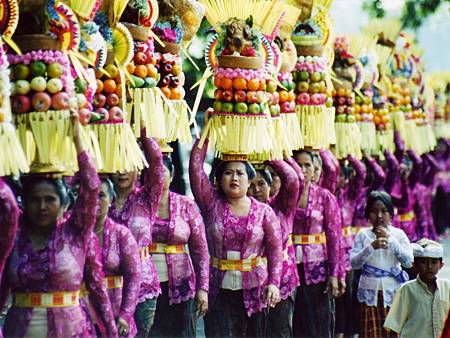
445,272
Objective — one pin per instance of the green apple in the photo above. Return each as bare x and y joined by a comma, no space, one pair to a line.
275,110
302,86
329,102
314,88
254,108
241,108
340,118
271,86
39,84
303,75
54,86
227,107
322,87
21,72
316,77
351,118
80,85
22,87
217,106
38,68
55,70
295,76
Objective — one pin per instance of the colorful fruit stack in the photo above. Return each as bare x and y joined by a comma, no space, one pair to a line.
13,158
382,120
348,80
438,82
311,72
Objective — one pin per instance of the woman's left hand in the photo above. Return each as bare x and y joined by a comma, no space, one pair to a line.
271,295
202,302
332,287
122,326
381,232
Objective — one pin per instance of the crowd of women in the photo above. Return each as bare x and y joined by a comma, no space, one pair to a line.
265,250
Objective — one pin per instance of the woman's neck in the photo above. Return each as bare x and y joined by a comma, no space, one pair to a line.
164,198
99,225
122,193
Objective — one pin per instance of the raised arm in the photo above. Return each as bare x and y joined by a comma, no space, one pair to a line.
399,146
431,169
393,172
416,173
357,181
333,233
330,170
201,187
301,177
130,266
287,198
9,222
154,174
379,176
272,242
198,247
98,297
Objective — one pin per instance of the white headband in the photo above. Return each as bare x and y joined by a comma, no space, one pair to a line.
430,250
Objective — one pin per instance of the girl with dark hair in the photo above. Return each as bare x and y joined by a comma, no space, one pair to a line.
317,236
180,253
244,240
380,251
284,204
45,269
136,208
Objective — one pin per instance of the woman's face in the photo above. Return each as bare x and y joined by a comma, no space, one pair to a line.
167,179
276,183
104,201
379,214
124,181
317,170
259,188
342,180
43,206
304,160
234,181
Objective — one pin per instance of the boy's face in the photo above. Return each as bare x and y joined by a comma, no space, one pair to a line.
428,267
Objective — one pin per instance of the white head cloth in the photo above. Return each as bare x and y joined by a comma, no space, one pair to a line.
427,248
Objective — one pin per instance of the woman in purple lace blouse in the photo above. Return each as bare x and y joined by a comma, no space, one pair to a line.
317,237
45,268
181,257
244,240
136,208
279,321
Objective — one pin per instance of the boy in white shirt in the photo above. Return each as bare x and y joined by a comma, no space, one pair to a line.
421,305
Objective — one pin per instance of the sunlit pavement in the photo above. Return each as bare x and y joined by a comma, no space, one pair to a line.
445,272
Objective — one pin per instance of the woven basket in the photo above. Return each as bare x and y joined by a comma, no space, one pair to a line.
110,56
137,32
169,47
28,43
246,62
311,50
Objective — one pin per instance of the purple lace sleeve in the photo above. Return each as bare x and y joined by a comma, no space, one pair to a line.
154,174
198,247
9,221
83,217
203,191
98,297
393,173
378,172
272,242
333,233
416,173
130,267
330,171
287,198
432,168
357,181
300,175
399,146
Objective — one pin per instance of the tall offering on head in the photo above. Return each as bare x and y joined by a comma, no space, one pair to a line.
119,149
349,79
240,57
438,82
12,157
311,36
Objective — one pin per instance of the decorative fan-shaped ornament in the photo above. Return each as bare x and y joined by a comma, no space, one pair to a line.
64,24
101,56
123,45
85,9
153,13
9,17
211,57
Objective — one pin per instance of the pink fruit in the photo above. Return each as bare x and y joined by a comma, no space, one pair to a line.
240,96
303,98
252,97
275,98
21,104
41,101
85,116
104,113
285,107
112,100
341,100
61,101
99,100
316,99
115,114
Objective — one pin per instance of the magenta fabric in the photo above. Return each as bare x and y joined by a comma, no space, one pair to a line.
139,212
59,266
187,272
284,206
330,171
262,237
320,260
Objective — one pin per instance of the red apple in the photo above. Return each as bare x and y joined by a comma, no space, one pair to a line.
240,96
21,104
85,116
115,114
112,100
41,101
140,58
218,94
285,107
341,100
303,98
60,101
316,99
228,95
99,100
252,97
104,114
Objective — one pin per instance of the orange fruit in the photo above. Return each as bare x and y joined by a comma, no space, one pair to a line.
376,119
151,70
117,79
99,86
109,86
284,95
341,92
240,83
253,85
358,117
98,74
166,91
262,85
130,68
385,119
118,91
226,83
291,96
175,94
217,82
141,71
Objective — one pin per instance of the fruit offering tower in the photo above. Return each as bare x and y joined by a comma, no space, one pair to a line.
43,87
438,82
349,78
311,74
240,56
